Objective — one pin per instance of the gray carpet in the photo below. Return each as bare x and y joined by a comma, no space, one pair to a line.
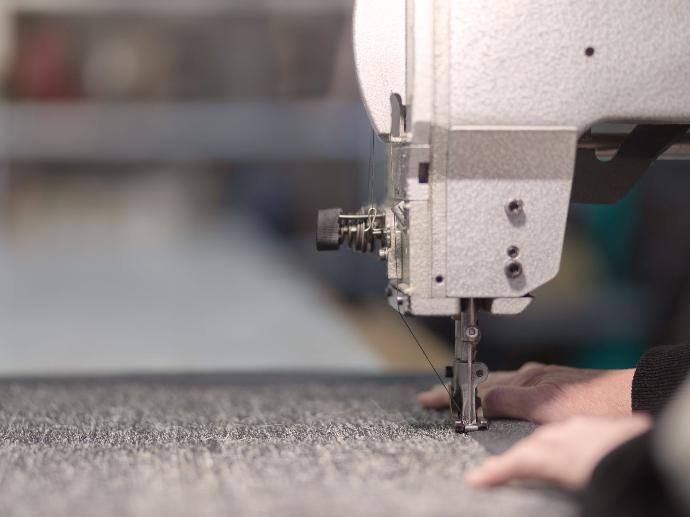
287,445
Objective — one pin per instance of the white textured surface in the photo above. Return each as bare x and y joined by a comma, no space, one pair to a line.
380,50
488,168
245,446
523,62
420,88
439,149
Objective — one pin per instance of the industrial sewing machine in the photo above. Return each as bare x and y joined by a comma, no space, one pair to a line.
491,111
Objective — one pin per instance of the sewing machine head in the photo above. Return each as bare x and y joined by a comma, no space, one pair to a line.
486,109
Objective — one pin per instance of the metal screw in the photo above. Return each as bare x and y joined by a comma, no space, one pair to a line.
515,208
513,252
513,269
383,253
480,373
472,332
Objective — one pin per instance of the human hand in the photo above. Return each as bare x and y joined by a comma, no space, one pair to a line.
564,454
545,393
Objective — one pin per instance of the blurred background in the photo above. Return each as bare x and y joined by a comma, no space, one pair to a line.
161,165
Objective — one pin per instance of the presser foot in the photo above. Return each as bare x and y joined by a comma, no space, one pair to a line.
466,406
472,421
461,427
478,424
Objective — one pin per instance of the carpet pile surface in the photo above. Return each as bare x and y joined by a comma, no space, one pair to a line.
246,445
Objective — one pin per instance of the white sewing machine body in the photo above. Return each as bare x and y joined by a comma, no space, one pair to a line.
482,103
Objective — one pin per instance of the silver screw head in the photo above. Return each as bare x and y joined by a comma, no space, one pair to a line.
472,332
383,253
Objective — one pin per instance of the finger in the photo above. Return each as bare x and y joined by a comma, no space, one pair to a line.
510,402
531,365
493,472
435,398
519,463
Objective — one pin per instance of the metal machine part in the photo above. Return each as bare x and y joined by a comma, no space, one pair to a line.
467,373
488,108
360,232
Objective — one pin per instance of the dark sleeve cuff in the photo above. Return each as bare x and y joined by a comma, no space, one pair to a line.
659,374
628,483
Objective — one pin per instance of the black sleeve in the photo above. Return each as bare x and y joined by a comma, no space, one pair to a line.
628,483
659,374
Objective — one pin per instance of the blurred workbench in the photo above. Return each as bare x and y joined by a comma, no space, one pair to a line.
230,298
245,444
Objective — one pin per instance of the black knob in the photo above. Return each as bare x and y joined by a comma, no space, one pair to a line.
328,229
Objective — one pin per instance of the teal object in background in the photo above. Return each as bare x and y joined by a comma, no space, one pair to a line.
612,354
612,230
